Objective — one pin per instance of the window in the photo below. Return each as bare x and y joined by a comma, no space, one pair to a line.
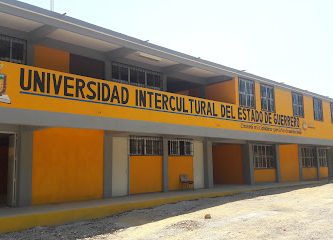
267,98
298,107
264,156
322,157
136,76
308,155
318,109
246,93
12,49
180,147
331,112
146,146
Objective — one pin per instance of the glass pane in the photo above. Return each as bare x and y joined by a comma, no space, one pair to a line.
4,49
18,52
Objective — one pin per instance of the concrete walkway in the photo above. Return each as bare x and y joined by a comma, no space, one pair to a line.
14,219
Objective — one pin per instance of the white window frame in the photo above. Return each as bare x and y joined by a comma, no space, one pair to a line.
145,146
318,109
262,158
267,98
308,157
247,94
323,157
180,147
298,104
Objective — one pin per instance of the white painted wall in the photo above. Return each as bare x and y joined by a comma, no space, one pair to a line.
119,166
198,164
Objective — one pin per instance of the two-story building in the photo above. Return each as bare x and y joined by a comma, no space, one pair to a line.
89,113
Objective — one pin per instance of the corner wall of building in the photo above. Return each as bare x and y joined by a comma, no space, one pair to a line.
223,91
51,58
67,165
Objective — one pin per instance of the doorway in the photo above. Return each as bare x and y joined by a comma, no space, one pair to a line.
7,169
228,163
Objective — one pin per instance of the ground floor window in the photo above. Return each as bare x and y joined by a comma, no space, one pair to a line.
180,147
263,156
322,157
146,145
308,155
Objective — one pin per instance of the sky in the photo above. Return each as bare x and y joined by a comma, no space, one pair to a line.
283,40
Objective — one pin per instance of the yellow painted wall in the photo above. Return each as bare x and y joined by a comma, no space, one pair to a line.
51,58
228,164
323,172
283,101
33,100
223,92
289,163
145,174
178,165
67,165
264,175
309,173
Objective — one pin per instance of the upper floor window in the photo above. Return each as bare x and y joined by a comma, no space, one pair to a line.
318,109
146,146
246,93
322,157
136,76
267,98
308,155
298,106
13,49
264,156
180,147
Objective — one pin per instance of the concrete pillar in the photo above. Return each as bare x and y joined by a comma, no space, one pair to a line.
318,163
208,163
164,79
277,161
300,164
165,165
202,91
251,164
330,162
120,166
246,164
30,53
24,167
107,178
198,164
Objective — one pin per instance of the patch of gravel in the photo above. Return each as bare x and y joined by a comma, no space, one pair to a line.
288,213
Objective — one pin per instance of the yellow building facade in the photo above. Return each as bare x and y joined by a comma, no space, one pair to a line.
87,113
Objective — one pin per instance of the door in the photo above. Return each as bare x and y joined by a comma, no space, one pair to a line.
7,169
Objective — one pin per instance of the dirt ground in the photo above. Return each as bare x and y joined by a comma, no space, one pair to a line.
289,213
